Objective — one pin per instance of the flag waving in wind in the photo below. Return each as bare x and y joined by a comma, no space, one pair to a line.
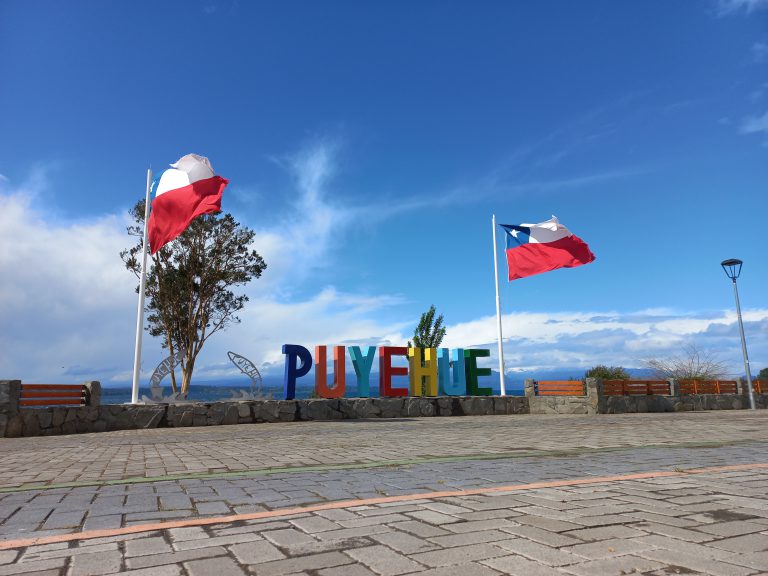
536,248
187,190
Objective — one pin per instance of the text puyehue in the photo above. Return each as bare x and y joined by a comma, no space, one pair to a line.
435,371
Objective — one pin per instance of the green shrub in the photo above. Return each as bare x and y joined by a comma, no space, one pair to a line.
607,373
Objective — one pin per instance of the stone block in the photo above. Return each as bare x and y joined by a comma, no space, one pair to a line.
93,392
287,410
445,406
148,417
243,410
45,418
323,409
231,415
14,426
31,425
391,407
476,405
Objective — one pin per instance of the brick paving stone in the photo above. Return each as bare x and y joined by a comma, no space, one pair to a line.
256,552
95,564
315,524
30,567
459,555
694,562
499,523
210,508
348,570
726,529
175,557
431,517
609,548
166,570
374,520
606,533
295,565
553,539
8,556
288,537
756,560
468,569
420,528
346,533
146,546
549,524
222,566
520,566
538,552
383,560
216,541
64,520
402,542
36,554
674,532
190,533
619,565
466,538
746,543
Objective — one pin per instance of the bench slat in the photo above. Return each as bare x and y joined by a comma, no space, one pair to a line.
51,386
54,401
52,394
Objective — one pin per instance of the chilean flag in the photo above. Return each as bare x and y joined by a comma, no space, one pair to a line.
185,191
536,248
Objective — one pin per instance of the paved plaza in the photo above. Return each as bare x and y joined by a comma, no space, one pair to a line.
676,493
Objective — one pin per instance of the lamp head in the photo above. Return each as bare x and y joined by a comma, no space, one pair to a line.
732,267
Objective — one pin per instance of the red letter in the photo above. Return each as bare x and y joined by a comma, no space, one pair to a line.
321,373
386,370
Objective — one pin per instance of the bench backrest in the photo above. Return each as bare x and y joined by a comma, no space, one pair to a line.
635,387
39,395
560,388
707,386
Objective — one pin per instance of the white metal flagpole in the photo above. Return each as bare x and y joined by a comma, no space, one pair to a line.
498,310
140,311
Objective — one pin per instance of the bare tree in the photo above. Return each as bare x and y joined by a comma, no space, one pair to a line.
692,364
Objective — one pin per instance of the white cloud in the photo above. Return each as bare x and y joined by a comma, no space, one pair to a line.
581,339
755,124
726,7
297,244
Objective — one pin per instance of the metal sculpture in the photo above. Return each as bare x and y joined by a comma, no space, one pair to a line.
249,369
161,371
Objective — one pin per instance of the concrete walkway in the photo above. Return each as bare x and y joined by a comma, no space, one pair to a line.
472,495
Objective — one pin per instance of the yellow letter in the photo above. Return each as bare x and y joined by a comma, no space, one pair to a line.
426,373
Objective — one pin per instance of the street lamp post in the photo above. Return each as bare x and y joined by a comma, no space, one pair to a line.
732,269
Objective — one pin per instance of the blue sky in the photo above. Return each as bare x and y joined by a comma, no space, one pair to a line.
368,145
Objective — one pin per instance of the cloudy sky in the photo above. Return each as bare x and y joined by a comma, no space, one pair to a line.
368,145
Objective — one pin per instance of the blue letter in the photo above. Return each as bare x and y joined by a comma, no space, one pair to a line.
292,352
452,382
362,365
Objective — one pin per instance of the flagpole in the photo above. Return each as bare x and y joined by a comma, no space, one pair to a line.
142,288
498,310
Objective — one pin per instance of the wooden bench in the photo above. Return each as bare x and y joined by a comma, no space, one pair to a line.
39,395
559,388
635,387
707,387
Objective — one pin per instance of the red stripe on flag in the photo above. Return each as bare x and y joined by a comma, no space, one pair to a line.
530,259
174,210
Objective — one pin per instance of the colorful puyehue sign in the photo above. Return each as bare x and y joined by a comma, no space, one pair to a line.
444,372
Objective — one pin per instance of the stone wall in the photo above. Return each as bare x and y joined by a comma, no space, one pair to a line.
62,420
